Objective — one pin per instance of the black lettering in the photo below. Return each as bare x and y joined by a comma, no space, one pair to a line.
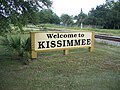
48,44
88,41
79,35
41,45
69,42
83,41
53,45
75,35
64,43
82,35
58,35
61,36
50,35
76,42
65,36
59,43
55,36
70,35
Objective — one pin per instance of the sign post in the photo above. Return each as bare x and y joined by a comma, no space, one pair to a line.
46,41
92,44
33,52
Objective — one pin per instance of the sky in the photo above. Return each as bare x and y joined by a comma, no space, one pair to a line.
73,7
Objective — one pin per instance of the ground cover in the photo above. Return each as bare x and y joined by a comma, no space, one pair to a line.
115,32
79,70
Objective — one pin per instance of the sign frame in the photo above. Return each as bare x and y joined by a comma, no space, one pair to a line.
66,50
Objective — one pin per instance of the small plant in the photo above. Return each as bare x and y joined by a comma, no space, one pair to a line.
18,45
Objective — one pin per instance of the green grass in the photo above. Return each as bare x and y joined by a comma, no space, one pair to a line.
98,31
80,70
45,27
106,31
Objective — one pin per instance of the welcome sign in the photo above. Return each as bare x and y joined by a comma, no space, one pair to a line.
44,41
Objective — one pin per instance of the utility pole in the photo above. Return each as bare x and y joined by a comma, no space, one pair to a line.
81,25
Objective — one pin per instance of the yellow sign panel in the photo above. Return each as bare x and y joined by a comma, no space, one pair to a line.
61,40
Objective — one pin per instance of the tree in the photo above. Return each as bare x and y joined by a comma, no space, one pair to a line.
106,15
55,19
48,16
45,16
81,17
116,15
66,19
20,12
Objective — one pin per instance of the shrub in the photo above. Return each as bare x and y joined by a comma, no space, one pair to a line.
18,45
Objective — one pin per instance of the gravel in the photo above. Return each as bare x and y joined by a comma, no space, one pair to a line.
114,43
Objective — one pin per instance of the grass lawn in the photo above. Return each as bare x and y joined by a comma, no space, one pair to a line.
80,70
115,32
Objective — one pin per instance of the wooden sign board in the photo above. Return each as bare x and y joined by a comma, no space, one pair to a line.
44,41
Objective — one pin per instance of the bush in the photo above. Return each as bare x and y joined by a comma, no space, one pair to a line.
18,45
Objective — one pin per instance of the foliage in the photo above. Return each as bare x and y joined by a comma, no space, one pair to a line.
66,19
48,16
4,25
20,12
55,19
80,18
106,15
18,45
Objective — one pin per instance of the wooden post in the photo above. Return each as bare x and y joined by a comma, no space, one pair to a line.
66,52
33,55
92,43
33,52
